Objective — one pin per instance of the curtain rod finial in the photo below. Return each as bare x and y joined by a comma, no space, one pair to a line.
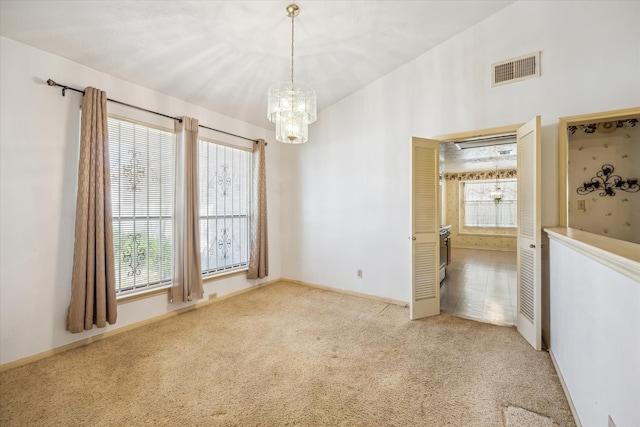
52,83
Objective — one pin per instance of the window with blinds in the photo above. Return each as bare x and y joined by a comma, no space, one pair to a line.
224,178
480,208
142,163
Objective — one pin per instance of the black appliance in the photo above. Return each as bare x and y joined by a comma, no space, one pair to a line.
445,250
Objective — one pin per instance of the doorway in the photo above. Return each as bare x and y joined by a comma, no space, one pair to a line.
481,279
425,200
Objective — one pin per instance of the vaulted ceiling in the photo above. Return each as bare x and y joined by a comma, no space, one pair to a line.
223,55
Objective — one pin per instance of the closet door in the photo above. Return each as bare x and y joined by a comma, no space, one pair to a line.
529,320
425,288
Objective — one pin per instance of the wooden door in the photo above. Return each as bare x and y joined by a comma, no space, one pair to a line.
425,288
529,319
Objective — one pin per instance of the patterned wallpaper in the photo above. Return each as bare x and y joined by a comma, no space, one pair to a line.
466,176
590,148
479,238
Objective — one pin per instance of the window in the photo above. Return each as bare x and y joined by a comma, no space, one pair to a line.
142,161
480,208
224,180
142,188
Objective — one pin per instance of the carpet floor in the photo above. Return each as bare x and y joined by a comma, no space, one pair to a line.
290,355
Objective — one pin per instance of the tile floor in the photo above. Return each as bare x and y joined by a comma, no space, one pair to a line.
481,285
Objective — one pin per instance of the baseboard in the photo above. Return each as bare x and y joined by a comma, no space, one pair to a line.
99,337
566,390
95,338
484,249
346,292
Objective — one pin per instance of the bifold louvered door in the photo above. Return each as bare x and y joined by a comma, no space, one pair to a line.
529,321
425,289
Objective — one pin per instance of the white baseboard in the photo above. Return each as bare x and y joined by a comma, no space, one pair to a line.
99,337
344,291
566,390
483,249
85,341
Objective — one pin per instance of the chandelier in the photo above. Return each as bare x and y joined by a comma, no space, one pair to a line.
292,107
497,191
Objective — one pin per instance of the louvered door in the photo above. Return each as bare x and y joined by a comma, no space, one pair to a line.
425,289
529,321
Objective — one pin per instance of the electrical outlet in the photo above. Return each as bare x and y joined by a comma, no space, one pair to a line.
581,205
213,296
360,273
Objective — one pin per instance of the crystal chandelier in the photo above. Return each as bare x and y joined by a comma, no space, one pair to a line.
292,107
497,191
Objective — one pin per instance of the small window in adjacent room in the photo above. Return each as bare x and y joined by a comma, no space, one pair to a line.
141,158
482,208
225,200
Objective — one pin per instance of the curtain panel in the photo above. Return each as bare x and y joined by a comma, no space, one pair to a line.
93,294
259,247
187,271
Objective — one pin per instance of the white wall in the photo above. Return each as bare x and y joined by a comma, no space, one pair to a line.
346,195
38,182
595,337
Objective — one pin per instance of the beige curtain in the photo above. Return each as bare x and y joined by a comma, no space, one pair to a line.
259,249
187,271
93,283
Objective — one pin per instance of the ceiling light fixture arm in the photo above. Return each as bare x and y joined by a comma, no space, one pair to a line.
292,11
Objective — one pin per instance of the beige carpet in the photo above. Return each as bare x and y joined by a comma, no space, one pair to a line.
290,355
517,417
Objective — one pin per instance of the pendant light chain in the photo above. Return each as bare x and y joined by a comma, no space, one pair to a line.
292,35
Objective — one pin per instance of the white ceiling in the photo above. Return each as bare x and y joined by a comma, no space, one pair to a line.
223,55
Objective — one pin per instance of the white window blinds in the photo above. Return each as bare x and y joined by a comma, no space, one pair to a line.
225,174
142,163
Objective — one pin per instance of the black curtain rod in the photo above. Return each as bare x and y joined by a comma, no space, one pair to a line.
65,88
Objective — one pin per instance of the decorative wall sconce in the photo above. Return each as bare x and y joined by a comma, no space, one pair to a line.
609,183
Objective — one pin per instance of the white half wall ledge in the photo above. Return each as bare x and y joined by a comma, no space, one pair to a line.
621,256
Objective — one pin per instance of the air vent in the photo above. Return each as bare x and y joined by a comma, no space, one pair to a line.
515,69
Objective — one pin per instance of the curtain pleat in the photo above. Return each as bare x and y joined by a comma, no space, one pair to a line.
259,247
187,271
93,284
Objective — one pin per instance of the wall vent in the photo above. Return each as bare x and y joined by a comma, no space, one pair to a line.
515,69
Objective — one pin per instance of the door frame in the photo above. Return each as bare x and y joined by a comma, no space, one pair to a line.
450,138
478,133
454,137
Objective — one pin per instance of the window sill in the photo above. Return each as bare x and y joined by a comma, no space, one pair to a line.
212,277
618,255
147,293
508,232
165,289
